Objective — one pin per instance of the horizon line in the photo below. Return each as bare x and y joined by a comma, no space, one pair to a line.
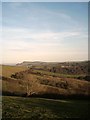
43,61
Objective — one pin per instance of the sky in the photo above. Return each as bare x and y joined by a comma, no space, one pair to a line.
53,32
45,0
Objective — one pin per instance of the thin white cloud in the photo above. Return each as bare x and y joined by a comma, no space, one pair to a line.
26,40
22,34
24,44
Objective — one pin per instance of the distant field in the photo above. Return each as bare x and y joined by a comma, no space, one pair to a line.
8,70
57,74
43,109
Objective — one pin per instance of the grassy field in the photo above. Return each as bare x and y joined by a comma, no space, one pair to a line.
43,109
8,70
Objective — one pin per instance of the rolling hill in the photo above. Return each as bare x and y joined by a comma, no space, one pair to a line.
45,91
38,80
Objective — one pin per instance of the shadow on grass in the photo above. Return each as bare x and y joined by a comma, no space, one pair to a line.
49,96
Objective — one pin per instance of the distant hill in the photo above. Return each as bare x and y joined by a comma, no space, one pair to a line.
37,63
27,63
80,67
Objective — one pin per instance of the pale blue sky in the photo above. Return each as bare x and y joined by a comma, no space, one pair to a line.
45,0
44,31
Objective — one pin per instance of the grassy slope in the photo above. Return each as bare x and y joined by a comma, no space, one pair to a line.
43,109
14,85
19,87
8,70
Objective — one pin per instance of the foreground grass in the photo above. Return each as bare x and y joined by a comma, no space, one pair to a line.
0,107
43,109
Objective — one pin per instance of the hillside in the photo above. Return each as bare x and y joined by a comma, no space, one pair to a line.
37,80
7,70
36,92
59,67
